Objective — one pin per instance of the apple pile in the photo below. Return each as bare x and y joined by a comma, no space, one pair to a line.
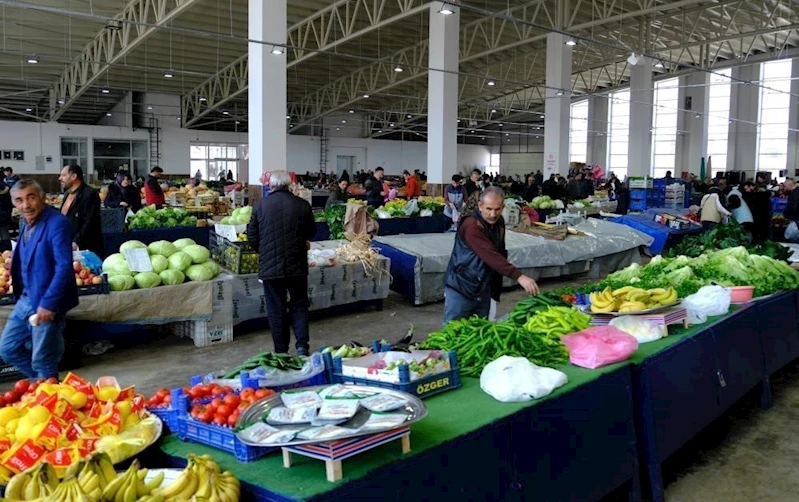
5,275
84,276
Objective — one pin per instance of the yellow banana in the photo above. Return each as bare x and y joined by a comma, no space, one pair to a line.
622,291
191,487
15,489
142,473
602,310
177,486
155,482
110,491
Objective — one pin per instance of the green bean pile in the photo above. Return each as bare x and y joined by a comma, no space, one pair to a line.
530,306
477,342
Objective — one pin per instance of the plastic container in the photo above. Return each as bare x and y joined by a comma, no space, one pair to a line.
240,258
741,294
637,205
778,205
95,289
112,220
169,414
217,245
8,299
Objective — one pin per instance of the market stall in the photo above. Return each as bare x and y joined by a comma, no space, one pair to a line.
112,241
418,263
662,235
396,226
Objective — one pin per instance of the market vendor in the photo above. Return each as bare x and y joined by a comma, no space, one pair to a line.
82,208
123,193
479,260
44,284
412,189
153,193
339,194
375,192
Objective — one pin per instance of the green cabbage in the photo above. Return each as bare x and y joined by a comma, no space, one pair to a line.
159,263
213,267
182,243
121,282
198,254
116,264
164,248
172,277
246,210
226,221
146,280
132,245
179,261
199,273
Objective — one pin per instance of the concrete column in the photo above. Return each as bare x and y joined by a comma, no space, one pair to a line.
793,123
744,111
556,109
692,143
442,102
598,109
641,102
267,88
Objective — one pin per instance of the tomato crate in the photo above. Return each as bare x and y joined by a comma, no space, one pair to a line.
95,289
422,388
221,438
240,257
169,414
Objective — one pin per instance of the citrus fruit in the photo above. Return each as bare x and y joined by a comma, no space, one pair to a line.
78,400
108,394
8,414
38,415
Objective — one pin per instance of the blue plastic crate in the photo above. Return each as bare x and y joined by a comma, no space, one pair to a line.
637,205
215,436
659,183
421,388
318,379
638,193
169,415
778,205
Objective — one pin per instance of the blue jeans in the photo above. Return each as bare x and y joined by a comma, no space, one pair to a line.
35,350
457,306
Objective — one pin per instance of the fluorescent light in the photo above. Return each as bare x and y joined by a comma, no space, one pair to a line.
366,96
28,109
398,69
61,101
33,59
343,121
659,64
277,50
507,134
225,112
352,111
149,107
379,131
559,93
391,124
501,125
107,114
168,74
491,83
104,90
446,10
472,130
410,116
493,110
203,99
571,42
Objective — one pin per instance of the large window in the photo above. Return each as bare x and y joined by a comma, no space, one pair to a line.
214,160
619,133
111,156
718,121
75,151
665,123
578,132
775,100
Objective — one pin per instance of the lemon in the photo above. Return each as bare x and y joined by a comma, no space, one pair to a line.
23,432
78,400
5,474
37,429
108,394
8,414
131,421
124,409
48,388
38,415
11,426
66,392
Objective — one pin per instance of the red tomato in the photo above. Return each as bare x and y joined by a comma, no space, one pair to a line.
167,400
243,406
217,391
32,387
52,380
162,393
217,402
231,420
227,390
11,397
224,410
202,390
232,400
21,386
206,416
247,391
220,419
2,402
262,393
195,411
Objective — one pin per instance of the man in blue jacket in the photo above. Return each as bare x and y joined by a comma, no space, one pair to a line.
44,283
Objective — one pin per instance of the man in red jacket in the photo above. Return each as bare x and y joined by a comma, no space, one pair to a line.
412,189
153,194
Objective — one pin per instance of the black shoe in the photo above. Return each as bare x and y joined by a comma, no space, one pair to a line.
302,351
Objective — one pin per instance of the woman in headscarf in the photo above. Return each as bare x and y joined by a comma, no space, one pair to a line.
123,193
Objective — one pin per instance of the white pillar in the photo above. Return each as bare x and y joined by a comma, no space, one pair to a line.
641,107
598,110
693,122
556,109
793,122
267,88
744,113
442,102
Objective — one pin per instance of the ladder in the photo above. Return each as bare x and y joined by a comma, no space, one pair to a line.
324,146
155,142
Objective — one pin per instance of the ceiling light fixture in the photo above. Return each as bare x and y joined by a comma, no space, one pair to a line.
398,69
28,109
343,121
501,125
288,116
493,110
697,116
491,83
278,50
168,74
446,10
633,59
379,131
459,121
149,107
571,42
104,90
410,116
472,130
338,128
391,124
659,64
292,125
366,96
107,114
559,93
237,122
203,99
352,111
507,134
33,59
61,101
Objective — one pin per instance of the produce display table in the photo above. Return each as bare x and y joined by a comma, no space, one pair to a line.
112,241
660,233
319,198
395,226
578,443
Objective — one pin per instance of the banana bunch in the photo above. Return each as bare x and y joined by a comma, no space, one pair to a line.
39,482
202,479
630,299
130,486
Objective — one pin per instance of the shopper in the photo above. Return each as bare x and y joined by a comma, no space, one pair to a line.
153,193
454,197
82,208
530,190
575,187
11,178
472,184
479,260
281,229
5,212
412,189
374,188
338,195
712,211
44,284
123,193
759,202
740,209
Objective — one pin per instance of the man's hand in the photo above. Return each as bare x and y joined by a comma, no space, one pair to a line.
123,204
529,285
74,247
44,316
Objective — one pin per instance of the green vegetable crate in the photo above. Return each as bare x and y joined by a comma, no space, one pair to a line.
239,257
422,388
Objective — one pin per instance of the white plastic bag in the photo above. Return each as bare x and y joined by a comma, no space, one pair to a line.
492,311
708,301
642,329
426,212
411,208
515,379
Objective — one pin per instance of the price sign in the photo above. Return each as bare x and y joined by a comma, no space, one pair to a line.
138,260
227,231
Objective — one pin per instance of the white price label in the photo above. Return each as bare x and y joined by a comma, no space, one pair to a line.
227,231
138,260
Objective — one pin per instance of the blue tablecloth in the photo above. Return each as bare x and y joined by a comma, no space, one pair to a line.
396,226
112,241
661,233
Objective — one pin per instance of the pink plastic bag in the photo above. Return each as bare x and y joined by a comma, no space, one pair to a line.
599,346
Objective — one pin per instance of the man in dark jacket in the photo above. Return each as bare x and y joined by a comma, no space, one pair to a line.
473,183
479,260
81,206
374,188
281,229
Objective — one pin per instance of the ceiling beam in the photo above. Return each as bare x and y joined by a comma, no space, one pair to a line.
322,32
139,20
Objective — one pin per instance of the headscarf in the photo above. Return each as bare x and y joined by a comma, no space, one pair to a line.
121,175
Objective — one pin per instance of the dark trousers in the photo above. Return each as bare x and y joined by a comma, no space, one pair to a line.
287,303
